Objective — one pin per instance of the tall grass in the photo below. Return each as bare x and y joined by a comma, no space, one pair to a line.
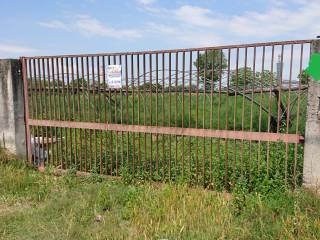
175,110
45,206
215,163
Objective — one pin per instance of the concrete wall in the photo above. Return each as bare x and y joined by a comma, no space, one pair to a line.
311,165
12,125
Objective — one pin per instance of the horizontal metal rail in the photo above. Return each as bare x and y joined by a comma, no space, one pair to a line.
193,132
261,44
123,91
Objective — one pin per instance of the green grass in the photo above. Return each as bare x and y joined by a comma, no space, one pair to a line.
208,162
43,206
166,109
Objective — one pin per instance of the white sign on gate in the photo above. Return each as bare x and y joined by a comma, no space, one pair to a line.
114,76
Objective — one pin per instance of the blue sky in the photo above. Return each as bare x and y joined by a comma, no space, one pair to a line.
88,26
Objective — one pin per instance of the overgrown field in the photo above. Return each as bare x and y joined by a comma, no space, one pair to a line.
210,162
215,111
43,206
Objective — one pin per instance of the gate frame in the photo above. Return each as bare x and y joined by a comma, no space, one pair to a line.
225,134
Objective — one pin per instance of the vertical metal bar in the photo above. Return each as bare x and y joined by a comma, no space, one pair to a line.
59,113
36,153
157,137
26,108
163,116
133,116
169,116
68,88
43,89
33,108
197,113
298,118
260,106
235,118
176,115
279,85
251,108
54,93
139,134
111,121
150,112
280,104
144,111
75,115
89,111
39,116
211,109
121,119
105,109
190,97
49,146
95,113
79,111
116,119
127,105
64,110
269,109
288,115
243,106
84,113
204,112
100,112
45,146
219,111
226,176
42,111
69,108
182,118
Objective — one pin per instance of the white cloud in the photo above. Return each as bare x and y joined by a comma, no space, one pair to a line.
276,21
198,39
189,26
179,36
196,16
15,49
54,24
198,26
89,26
160,28
146,2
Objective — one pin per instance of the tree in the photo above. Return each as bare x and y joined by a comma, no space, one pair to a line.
304,77
245,76
153,86
211,62
82,82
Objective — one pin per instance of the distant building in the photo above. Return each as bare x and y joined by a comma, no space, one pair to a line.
284,82
279,68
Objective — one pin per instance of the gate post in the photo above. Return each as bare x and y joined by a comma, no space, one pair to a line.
12,124
311,165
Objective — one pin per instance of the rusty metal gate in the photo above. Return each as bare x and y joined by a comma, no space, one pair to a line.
206,115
